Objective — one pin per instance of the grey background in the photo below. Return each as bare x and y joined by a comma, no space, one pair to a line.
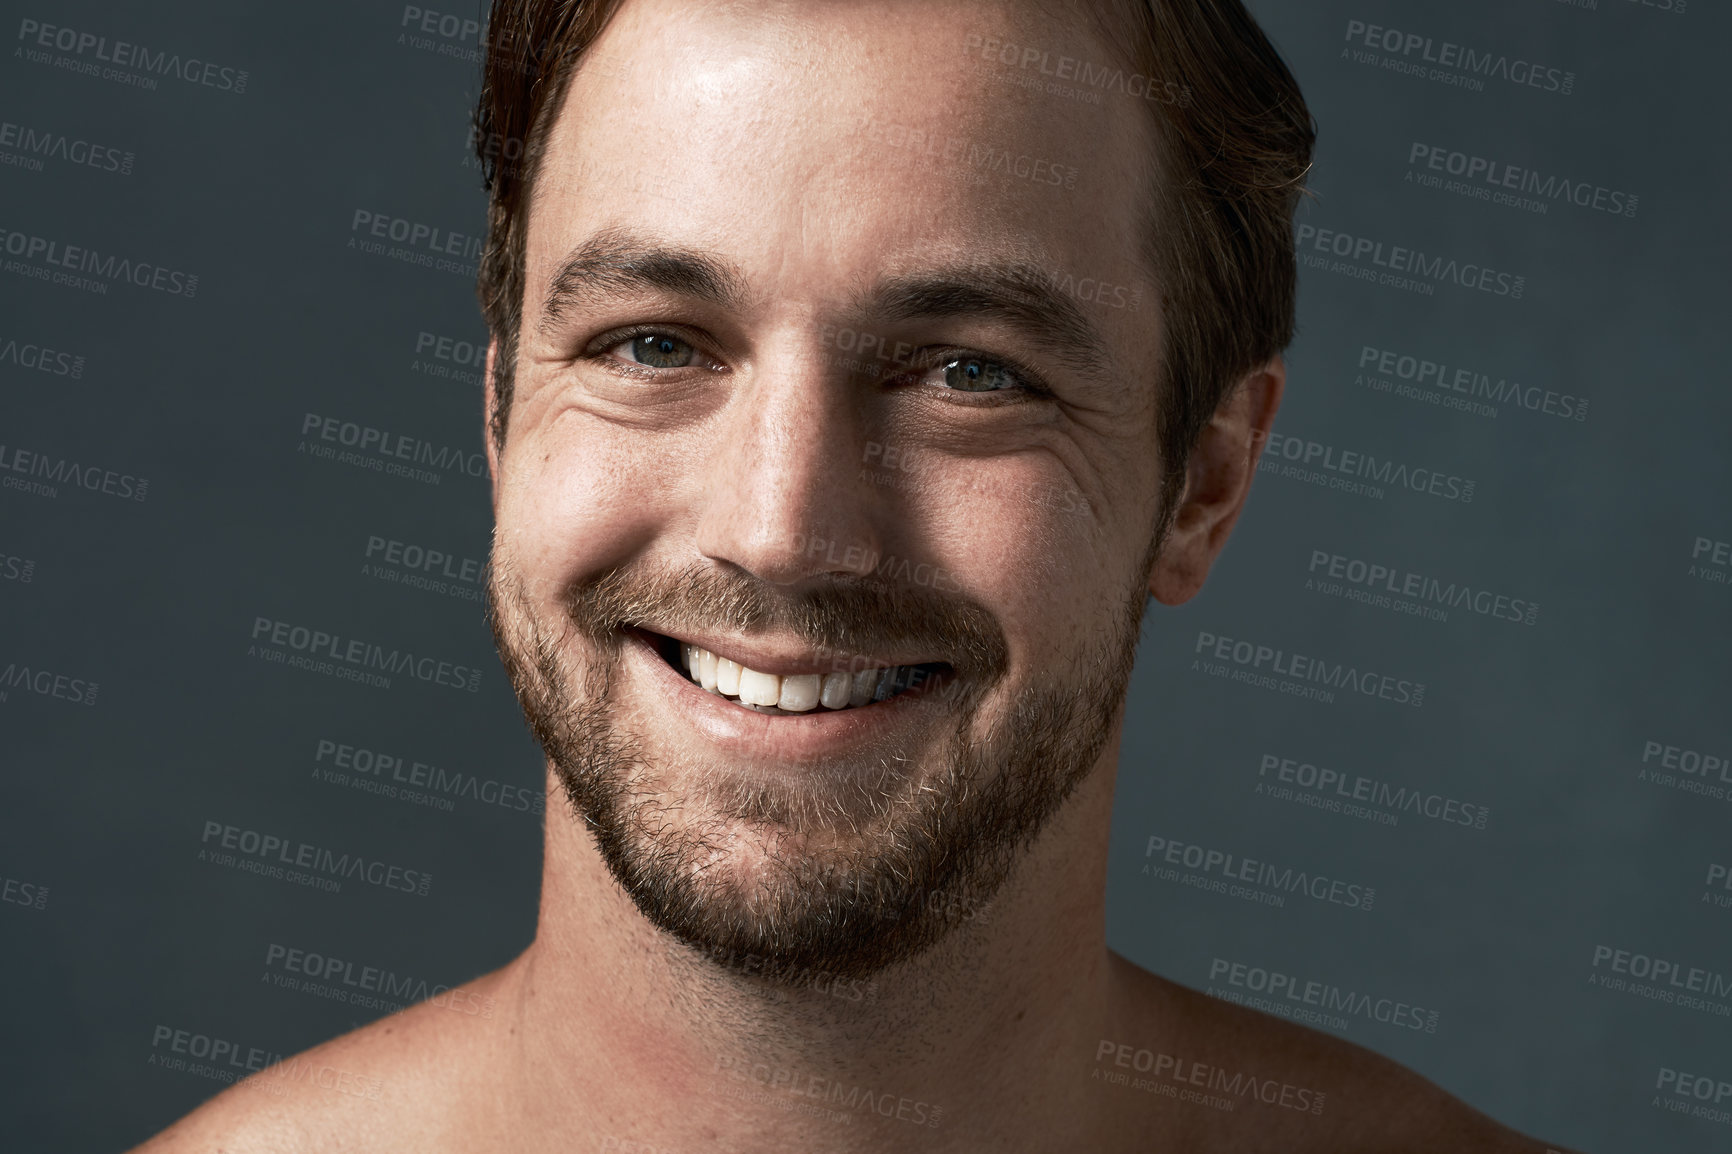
105,804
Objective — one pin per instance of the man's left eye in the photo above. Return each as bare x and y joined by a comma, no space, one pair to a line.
979,375
659,351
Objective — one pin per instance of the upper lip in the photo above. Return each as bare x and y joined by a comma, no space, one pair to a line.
789,659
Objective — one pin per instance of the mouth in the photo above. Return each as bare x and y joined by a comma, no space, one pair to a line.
791,694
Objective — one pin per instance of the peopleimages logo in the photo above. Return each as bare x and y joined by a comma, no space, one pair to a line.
239,1059
34,145
1386,586
1265,664
1719,552
837,1097
508,153
1407,268
379,770
46,259
1444,383
1229,867
418,567
429,561
452,35
416,234
92,50
356,656
1688,762
1719,876
1711,561
267,853
416,242
383,451
1691,1094
17,892
253,1068
15,568
446,24
41,358
1099,77
1485,179
1661,979
1356,471
1459,64
1215,1082
65,471
1332,788
46,683
453,358
977,155
368,987
1197,1083
1289,996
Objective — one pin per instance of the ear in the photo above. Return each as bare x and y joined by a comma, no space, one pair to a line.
1217,481
488,399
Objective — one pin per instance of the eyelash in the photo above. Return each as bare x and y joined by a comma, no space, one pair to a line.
1031,384
599,349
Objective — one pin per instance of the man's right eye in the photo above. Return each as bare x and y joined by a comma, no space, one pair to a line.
656,351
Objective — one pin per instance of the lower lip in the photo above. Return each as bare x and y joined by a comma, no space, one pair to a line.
795,736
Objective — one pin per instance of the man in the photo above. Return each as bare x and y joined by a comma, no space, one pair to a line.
859,370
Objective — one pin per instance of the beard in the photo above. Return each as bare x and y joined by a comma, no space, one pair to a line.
862,860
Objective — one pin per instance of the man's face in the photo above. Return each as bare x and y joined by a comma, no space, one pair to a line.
837,364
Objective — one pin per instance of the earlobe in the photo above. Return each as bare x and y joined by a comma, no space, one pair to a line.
1217,482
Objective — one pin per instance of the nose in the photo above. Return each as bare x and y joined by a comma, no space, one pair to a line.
783,498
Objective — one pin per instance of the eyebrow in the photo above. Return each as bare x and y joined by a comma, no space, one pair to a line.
1019,294
614,262
617,261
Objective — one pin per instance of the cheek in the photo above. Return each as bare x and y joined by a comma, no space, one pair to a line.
1029,546
576,503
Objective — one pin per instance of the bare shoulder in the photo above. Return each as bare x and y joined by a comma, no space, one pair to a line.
1258,1082
385,1086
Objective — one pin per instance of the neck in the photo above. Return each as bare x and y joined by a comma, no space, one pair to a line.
615,1020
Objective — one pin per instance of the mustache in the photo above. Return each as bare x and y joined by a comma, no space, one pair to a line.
840,615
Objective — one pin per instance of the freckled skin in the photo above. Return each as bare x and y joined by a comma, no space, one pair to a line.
776,136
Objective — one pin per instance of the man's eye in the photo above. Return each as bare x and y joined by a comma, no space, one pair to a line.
978,375
657,351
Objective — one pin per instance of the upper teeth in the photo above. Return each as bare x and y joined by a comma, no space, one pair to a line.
796,692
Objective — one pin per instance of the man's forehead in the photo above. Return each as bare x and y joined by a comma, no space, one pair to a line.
753,120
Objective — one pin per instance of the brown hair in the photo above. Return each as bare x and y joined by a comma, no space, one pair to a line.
1228,167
